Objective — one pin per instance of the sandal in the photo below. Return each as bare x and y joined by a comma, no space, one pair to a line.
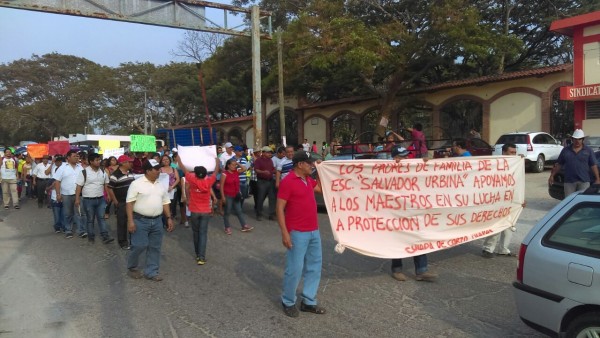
312,309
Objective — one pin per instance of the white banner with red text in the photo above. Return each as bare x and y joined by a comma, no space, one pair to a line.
389,209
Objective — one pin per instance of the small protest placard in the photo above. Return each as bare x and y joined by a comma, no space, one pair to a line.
58,147
143,143
37,150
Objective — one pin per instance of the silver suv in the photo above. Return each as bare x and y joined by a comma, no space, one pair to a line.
538,148
557,290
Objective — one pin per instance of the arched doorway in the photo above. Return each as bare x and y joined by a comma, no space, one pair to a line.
457,118
344,127
411,113
368,126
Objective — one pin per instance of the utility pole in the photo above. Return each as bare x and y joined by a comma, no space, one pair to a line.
145,114
280,78
256,89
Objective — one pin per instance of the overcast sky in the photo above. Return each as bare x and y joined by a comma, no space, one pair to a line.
23,33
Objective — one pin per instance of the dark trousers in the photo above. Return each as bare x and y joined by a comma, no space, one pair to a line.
266,188
122,223
40,186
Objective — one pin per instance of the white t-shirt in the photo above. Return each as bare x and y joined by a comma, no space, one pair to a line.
94,182
40,170
67,175
8,170
306,146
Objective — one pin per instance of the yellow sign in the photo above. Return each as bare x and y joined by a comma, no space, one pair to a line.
108,145
143,143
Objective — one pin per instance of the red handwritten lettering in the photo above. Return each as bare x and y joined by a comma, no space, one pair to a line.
509,195
461,200
452,219
502,164
390,183
494,181
452,166
351,169
488,215
486,198
482,233
387,167
485,165
457,241
419,247
432,219
444,181
340,184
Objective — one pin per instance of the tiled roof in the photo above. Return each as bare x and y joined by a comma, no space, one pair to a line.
478,81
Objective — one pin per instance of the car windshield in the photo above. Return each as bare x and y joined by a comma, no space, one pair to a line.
593,141
512,138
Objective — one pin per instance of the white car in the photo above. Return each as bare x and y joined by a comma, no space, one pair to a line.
538,148
557,290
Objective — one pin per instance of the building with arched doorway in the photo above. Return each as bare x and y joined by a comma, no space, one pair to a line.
527,100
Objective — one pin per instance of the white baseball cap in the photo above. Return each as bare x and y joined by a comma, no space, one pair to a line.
174,150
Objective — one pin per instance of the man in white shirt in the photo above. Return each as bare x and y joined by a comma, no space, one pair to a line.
227,154
40,180
306,145
147,201
285,165
64,183
91,185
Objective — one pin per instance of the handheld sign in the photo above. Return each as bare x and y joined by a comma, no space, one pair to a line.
37,150
58,147
143,143
389,209
192,156
105,145
113,152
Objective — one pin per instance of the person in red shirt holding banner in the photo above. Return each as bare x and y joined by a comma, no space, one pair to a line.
297,217
198,189
421,274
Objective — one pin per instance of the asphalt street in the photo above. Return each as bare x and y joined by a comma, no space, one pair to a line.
56,287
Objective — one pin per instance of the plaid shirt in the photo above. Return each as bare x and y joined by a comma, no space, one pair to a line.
253,176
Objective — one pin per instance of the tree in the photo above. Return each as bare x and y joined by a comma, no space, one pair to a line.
46,96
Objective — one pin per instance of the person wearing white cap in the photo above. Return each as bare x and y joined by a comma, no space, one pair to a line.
227,154
577,160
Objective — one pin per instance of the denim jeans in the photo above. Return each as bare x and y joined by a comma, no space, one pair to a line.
147,237
266,188
244,191
68,202
81,219
304,259
200,233
231,204
57,210
94,209
420,264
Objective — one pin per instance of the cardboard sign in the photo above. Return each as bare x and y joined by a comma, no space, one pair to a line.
104,145
386,209
37,150
113,152
58,147
143,143
192,156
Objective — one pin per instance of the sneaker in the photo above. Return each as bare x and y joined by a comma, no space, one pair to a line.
228,231
69,235
290,311
107,240
487,254
83,235
247,228
125,247
426,277
57,231
17,207
399,276
6,207
186,224
134,273
200,261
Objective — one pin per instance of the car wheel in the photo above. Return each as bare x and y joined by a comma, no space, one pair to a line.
586,325
538,166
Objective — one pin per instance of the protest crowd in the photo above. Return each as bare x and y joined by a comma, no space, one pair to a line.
148,192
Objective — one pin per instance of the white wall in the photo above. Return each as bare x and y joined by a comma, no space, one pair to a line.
515,112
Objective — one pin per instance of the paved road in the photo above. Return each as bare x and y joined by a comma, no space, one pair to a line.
56,287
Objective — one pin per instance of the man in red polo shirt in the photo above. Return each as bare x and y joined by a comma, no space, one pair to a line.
297,217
